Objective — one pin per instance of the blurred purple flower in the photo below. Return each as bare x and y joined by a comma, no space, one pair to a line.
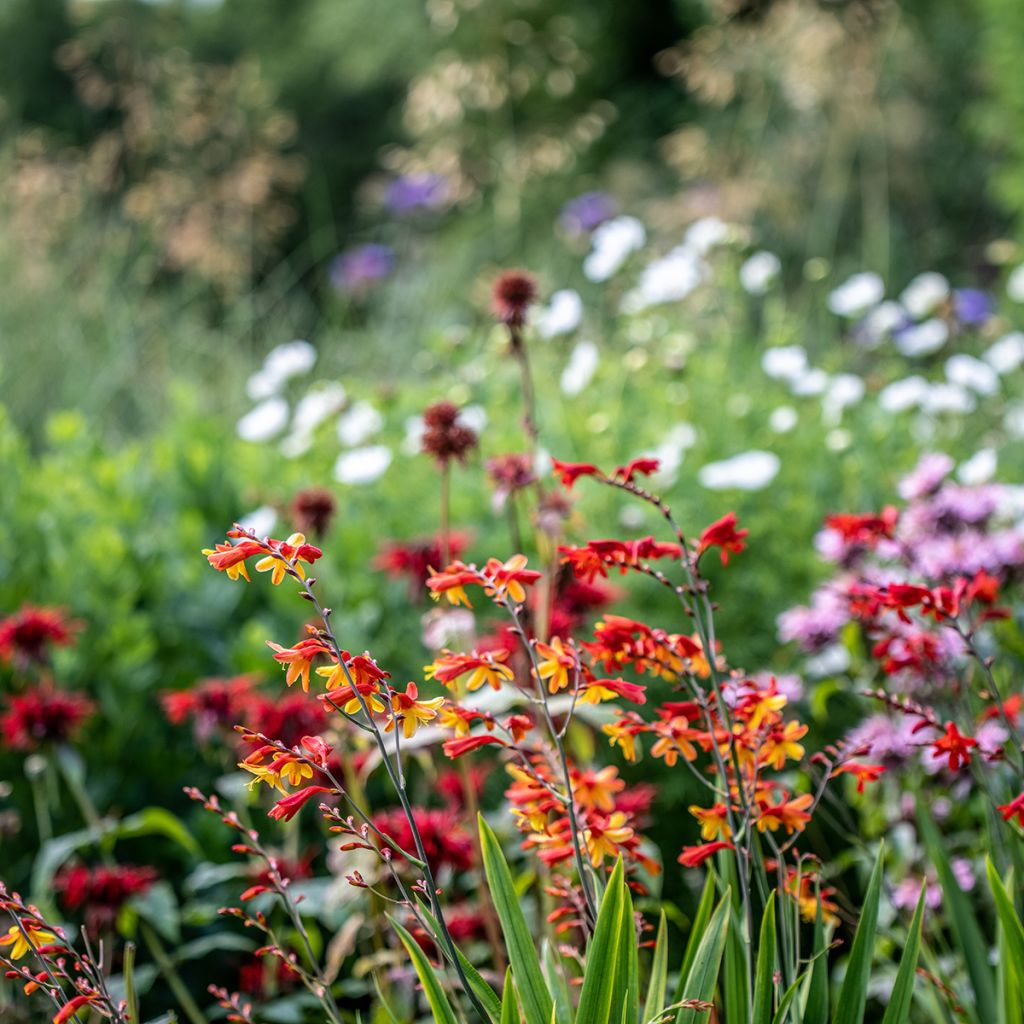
412,193
355,271
587,212
925,477
972,306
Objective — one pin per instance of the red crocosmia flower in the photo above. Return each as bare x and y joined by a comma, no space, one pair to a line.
212,704
1014,809
445,841
452,583
286,809
694,856
43,715
102,891
413,559
230,558
69,1009
864,773
288,717
519,726
298,660
638,467
724,535
864,529
570,472
954,745
606,689
510,578
26,635
457,747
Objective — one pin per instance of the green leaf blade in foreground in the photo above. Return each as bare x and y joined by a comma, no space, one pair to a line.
854,992
697,929
439,1005
604,980
707,962
522,951
658,983
764,976
898,1010
509,1003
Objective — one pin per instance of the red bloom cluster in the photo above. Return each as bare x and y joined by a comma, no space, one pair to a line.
597,556
101,892
445,841
27,635
512,294
413,559
444,436
43,716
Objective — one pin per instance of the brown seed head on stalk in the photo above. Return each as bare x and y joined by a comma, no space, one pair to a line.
445,437
313,510
512,295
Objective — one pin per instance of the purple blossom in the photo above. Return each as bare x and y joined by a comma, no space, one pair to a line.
355,271
972,306
926,476
587,212
412,193
885,739
817,626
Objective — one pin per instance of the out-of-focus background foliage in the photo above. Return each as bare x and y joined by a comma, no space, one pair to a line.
189,185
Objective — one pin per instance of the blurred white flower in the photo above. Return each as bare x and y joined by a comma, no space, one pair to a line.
844,390
978,469
580,369
759,271
838,440
783,419
829,662
316,405
562,315
1015,284
944,397
972,373
613,242
1013,420
924,294
415,428
359,424
857,294
448,627
473,416
261,521
812,381
296,444
903,394
749,471
362,465
669,279
261,385
784,362
264,422
1007,354
704,234
922,339
880,322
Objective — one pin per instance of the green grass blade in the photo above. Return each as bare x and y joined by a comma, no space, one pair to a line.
898,1010
604,977
764,976
382,1003
629,959
439,1005
963,922
697,929
707,962
1013,930
658,982
854,991
554,975
816,1006
509,1003
522,951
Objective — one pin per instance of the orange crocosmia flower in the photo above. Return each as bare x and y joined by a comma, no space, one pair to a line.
293,550
459,719
362,669
714,821
457,747
760,705
638,467
230,558
1014,809
675,738
291,769
789,814
955,746
344,697
509,578
452,583
694,856
519,726
781,745
556,662
570,472
488,668
608,689
298,660
70,1008
864,773
723,535
412,712
624,732
28,937
597,789
287,808
605,835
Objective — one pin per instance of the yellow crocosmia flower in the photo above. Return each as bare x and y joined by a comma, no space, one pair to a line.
714,822
26,938
295,771
412,712
603,839
555,664
261,773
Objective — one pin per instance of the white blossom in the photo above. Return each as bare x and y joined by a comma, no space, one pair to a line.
972,373
580,369
562,315
749,471
265,421
759,271
857,294
362,465
924,294
922,339
613,242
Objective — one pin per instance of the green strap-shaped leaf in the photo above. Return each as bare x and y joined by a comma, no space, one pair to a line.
554,975
629,959
1009,972
816,1006
963,922
522,951
1013,930
898,1010
707,962
854,992
658,982
509,1003
697,929
764,976
439,1005
382,1003
604,978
